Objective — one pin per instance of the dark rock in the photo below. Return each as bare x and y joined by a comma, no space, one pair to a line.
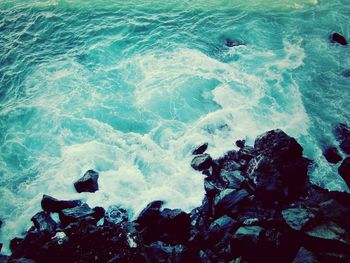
330,231
150,214
332,155
240,143
43,222
337,38
163,253
88,183
74,214
201,162
344,170
305,256
297,218
342,134
51,204
249,233
116,215
346,73
4,259
278,172
228,199
200,149
232,43
246,153
222,225
210,187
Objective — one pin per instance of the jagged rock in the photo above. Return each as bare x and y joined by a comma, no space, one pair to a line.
332,155
88,183
342,134
251,233
210,187
232,179
201,162
330,231
337,38
344,170
305,256
74,214
116,215
222,225
200,149
228,199
298,217
43,222
51,204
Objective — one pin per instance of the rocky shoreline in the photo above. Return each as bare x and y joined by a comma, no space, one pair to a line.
259,206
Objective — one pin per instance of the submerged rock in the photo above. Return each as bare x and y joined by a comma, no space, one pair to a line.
342,134
51,204
200,149
344,170
332,155
337,38
88,183
232,43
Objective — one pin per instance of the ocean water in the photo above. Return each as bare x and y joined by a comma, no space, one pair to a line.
129,88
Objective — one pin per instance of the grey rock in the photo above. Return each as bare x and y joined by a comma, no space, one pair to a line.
228,199
74,214
297,218
43,222
201,162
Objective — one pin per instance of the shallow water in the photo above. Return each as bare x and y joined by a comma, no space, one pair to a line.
130,88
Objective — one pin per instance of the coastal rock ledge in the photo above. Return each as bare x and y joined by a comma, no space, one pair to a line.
259,206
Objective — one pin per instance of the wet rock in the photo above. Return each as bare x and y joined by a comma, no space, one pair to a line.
332,155
232,179
228,199
51,204
116,215
150,214
74,214
298,217
88,183
337,38
305,256
232,43
342,134
222,225
240,143
43,222
344,170
201,162
200,149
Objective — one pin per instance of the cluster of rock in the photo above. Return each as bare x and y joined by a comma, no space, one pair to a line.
259,206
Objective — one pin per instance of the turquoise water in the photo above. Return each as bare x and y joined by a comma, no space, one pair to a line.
130,88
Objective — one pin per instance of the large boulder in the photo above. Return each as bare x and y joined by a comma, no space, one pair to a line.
344,170
298,217
88,183
51,204
278,172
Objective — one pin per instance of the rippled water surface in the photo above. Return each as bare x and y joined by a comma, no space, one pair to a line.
129,88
